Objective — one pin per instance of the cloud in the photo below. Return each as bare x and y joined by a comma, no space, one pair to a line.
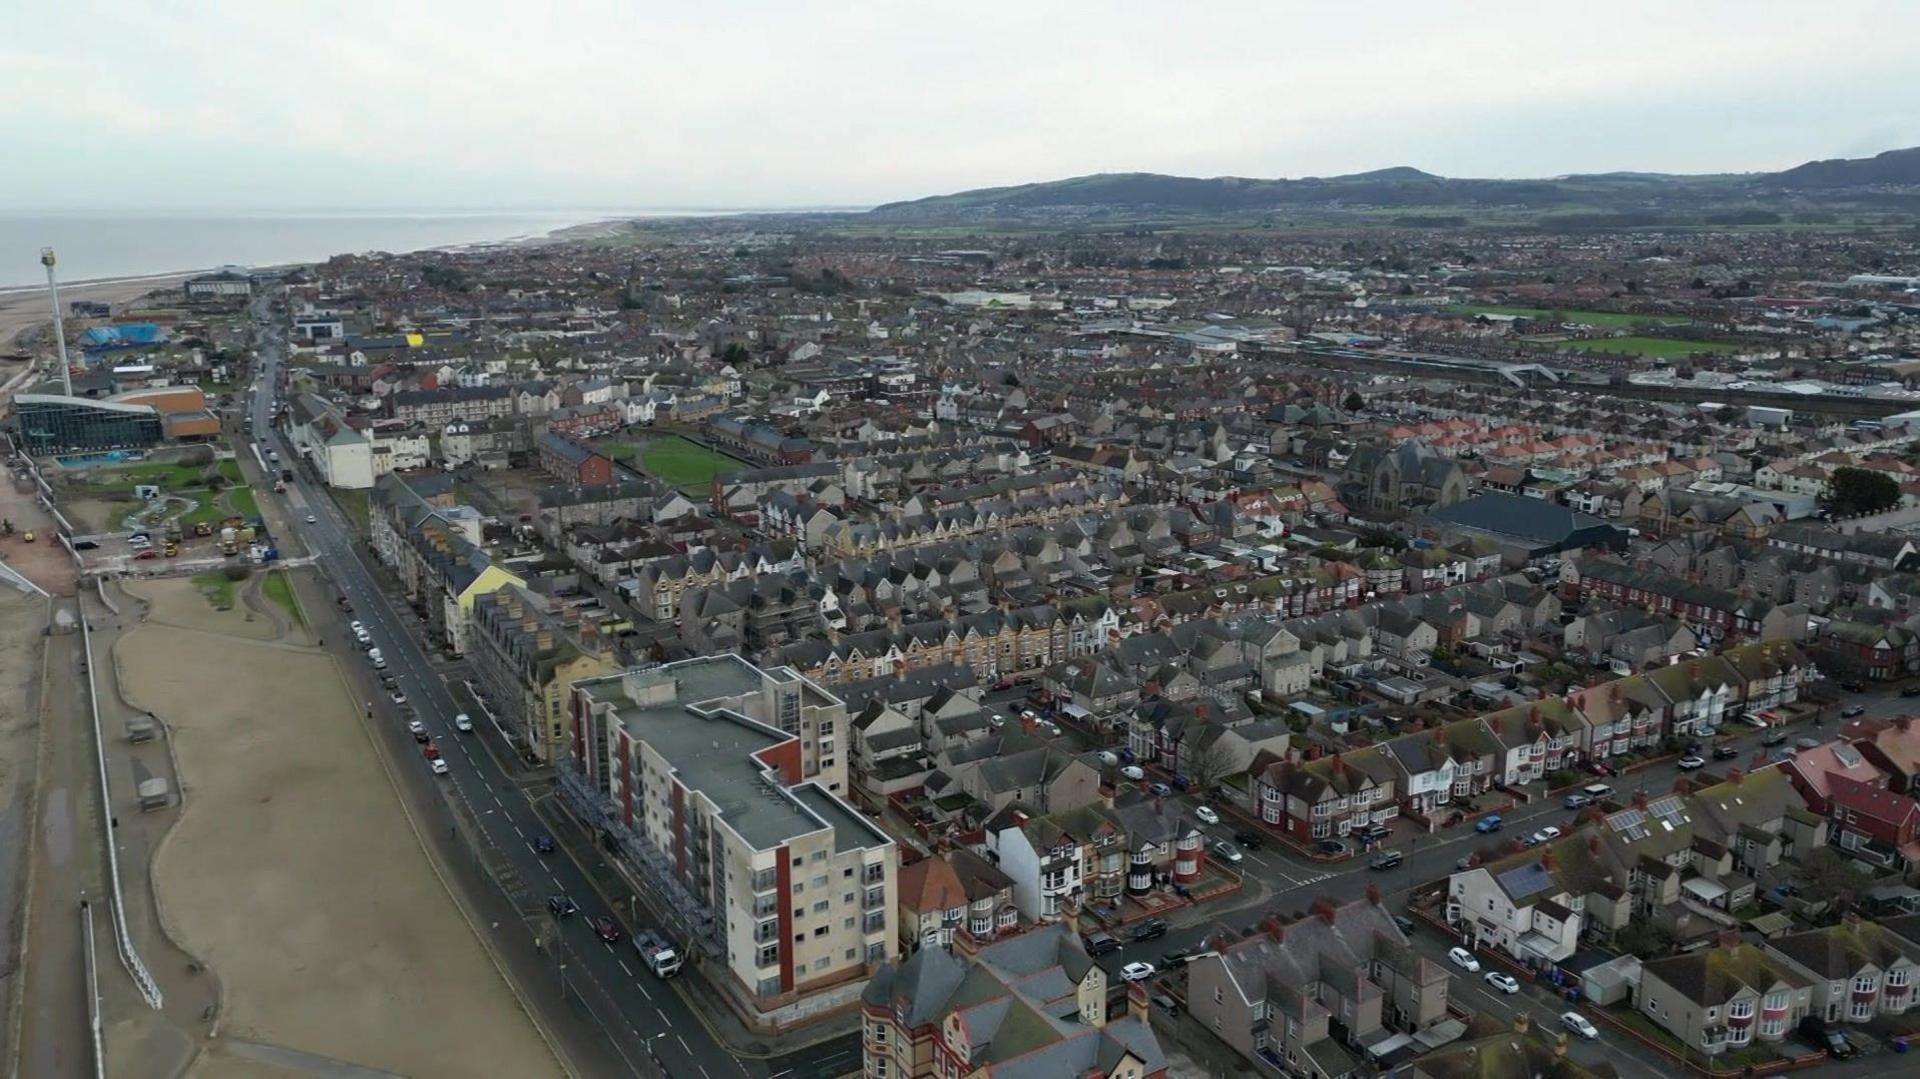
762,104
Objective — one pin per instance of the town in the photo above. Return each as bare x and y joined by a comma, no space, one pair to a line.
765,646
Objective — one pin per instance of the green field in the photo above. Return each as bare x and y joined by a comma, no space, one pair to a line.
687,465
243,502
1659,348
217,589
280,590
1605,320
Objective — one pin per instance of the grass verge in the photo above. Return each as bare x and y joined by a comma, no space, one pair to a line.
217,590
280,590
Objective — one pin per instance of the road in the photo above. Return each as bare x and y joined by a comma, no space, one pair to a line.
640,1014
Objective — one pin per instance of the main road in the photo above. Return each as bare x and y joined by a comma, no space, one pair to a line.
649,1024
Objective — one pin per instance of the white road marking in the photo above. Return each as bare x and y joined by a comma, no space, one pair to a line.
623,967
683,1044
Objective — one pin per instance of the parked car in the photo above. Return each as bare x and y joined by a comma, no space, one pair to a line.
1174,957
1854,685
1160,790
1773,738
1579,1024
418,730
1690,762
1826,1036
1489,823
1375,832
1249,840
1227,852
1166,1003
1725,753
438,765
1206,814
1577,801
1387,861
1181,783
1136,972
398,697
146,554
1600,768
1133,772
430,751
1806,743
1852,710
1462,958
560,906
1330,846
605,928
1506,983
357,627
1910,691
1099,944
1405,923
1151,929
1546,834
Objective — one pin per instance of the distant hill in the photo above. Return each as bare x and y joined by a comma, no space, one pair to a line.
1889,181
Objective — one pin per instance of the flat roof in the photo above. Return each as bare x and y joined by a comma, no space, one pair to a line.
711,751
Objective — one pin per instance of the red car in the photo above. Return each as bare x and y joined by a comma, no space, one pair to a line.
605,928
432,751
146,554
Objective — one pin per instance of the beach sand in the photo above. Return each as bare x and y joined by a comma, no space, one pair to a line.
24,309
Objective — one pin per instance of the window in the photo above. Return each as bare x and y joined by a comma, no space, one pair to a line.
820,856
821,907
769,955
819,882
820,931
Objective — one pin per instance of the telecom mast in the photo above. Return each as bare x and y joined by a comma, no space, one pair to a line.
59,326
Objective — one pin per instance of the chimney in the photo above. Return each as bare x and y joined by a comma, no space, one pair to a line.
1681,786
1640,800
1324,907
1273,927
1735,775
1593,843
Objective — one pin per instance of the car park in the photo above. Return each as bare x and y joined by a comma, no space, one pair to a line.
1579,1024
1462,958
1136,972
1506,983
1133,772
1151,929
1207,814
1690,763
1227,852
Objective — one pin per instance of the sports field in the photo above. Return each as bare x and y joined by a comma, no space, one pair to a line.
687,465
1605,320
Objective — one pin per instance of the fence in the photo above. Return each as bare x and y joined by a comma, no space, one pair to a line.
93,992
122,938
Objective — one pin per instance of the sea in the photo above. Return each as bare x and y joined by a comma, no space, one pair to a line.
95,247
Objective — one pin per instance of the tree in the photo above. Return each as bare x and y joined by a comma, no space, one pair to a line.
1354,401
1855,491
1826,878
1206,765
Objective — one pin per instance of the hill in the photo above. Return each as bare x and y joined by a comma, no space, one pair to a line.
1887,182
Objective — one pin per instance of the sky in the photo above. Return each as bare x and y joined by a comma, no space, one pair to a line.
712,105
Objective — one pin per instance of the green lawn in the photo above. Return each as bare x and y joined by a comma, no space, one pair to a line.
243,502
1605,320
687,465
280,590
208,510
217,589
354,504
1660,348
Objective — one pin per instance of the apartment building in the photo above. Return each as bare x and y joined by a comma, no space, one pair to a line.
525,657
431,543
719,784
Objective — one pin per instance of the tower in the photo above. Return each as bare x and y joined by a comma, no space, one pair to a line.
59,325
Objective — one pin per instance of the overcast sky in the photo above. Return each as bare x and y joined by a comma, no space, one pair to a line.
419,104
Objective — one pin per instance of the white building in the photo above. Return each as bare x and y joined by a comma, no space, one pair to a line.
1522,910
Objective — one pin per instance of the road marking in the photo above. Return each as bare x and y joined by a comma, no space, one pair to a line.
683,1044
623,967
662,1015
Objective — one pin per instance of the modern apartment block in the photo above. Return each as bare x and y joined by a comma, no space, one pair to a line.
720,785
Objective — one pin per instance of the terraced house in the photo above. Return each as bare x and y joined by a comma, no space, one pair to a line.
1725,998
1858,970
1033,1007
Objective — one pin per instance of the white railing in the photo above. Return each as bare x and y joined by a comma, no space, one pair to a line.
122,938
94,1031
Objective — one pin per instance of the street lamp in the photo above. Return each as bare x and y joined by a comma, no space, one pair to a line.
653,1056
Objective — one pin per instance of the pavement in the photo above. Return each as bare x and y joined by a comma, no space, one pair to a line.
570,980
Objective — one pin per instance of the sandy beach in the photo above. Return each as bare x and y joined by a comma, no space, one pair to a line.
23,309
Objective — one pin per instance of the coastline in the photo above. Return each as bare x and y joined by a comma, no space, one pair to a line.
25,310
